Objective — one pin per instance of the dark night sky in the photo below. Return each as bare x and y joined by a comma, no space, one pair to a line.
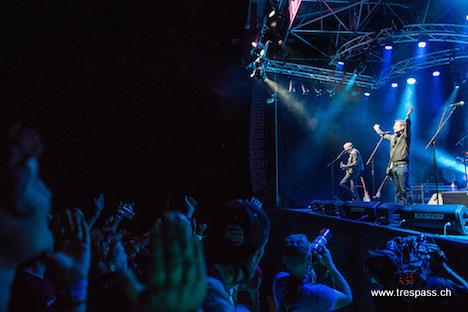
138,102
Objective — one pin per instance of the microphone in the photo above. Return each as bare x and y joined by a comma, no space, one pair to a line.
459,103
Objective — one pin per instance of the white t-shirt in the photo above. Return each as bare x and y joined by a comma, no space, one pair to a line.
309,298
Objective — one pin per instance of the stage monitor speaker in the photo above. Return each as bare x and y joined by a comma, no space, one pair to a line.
456,197
358,210
328,207
385,213
434,218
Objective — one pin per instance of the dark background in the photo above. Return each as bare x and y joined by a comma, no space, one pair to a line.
145,103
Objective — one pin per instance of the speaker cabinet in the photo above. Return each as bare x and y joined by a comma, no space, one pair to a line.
434,218
358,210
328,207
456,197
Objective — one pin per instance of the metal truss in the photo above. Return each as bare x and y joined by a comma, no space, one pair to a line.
317,73
339,20
447,33
399,69
429,60
355,31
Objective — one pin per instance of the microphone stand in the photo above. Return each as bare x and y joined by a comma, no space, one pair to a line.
432,142
371,159
463,140
332,172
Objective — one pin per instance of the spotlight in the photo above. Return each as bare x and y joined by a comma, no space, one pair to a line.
388,47
436,73
394,85
366,94
422,43
341,63
411,81
292,86
457,86
280,42
272,13
466,17
254,44
305,90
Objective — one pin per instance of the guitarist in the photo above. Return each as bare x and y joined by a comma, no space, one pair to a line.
397,167
353,169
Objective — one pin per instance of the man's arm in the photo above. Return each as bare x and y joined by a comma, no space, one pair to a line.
386,136
343,292
408,123
352,161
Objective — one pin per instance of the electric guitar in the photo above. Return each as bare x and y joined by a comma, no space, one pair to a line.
366,197
379,191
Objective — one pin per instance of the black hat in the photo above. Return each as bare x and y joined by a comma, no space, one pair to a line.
235,232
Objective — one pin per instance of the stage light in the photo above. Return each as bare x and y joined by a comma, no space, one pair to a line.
254,44
457,86
341,63
305,90
411,81
280,42
436,73
466,17
394,85
388,47
262,52
366,94
272,13
422,43
292,86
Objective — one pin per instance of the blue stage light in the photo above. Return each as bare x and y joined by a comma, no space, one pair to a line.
388,47
340,63
366,94
422,44
411,81
394,85
436,73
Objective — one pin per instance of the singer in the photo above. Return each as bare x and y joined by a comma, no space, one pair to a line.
398,166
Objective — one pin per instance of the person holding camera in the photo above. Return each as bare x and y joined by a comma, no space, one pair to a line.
297,290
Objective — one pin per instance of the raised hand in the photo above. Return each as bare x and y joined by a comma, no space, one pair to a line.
98,208
71,264
324,256
410,110
125,211
99,203
191,205
377,128
256,203
177,270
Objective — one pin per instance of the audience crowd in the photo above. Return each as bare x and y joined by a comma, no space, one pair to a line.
75,260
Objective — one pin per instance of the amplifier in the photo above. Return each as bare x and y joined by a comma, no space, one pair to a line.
450,218
328,207
358,210
456,197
